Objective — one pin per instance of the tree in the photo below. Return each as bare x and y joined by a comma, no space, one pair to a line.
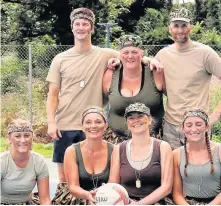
200,10
213,18
31,19
153,27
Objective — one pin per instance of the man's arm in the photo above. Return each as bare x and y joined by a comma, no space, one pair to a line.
106,84
51,107
215,115
153,63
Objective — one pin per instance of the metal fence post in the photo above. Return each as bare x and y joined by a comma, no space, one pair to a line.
30,82
108,26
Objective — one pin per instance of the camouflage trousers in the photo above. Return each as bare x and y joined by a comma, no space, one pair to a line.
64,197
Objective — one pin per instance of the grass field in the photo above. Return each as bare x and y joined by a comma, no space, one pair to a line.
44,149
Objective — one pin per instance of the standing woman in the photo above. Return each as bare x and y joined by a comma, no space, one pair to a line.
197,164
143,164
132,82
21,168
87,163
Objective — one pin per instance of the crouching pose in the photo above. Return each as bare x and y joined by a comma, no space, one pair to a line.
143,165
87,163
21,168
197,164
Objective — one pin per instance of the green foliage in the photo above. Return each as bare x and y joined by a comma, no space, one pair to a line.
153,27
215,99
209,37
44,149
41,48
16,105
213,18
12,68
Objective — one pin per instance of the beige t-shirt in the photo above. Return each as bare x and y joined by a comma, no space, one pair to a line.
80,78
188,74
17,183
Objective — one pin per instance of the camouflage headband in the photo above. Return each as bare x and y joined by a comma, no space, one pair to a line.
137,107
196,113
130,40
82,16
12,129
182,14
94,110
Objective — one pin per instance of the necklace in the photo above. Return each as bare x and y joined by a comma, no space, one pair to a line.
138,172
200,180
95,181
82,83
199,183
137,175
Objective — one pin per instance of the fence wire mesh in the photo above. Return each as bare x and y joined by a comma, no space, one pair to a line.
16,63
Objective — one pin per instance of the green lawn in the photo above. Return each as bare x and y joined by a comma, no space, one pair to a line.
44,149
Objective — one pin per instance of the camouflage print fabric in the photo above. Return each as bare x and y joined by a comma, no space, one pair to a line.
130,40
113,138
169,201
181,14
195,201
137,107
34,201
64,197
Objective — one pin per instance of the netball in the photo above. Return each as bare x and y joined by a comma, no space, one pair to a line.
112,194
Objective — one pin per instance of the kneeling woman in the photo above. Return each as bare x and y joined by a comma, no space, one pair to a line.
143,165
197,164
87,163
21,168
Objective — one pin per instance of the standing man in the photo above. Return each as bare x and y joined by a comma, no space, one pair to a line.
75,82
188,68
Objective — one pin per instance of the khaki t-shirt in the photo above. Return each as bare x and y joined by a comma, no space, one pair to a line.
80,78
188,74
17,183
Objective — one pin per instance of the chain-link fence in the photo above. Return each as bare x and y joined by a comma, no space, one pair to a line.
23,73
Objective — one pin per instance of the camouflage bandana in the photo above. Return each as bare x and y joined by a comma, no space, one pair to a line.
137,107
182,14
82,16
94,110
12,129
130,40
196,113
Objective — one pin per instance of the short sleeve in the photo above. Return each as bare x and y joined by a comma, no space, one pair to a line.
4,164
54,75
111,53
41,167
213,62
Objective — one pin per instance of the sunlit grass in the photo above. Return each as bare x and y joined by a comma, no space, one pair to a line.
44,149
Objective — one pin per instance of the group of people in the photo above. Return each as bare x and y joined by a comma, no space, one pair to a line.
145,166
134,146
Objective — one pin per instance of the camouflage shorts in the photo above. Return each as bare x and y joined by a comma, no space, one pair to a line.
64,197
